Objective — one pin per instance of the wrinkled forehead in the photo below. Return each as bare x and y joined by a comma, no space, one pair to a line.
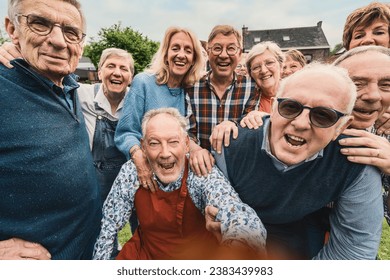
362,60
323,86
68,12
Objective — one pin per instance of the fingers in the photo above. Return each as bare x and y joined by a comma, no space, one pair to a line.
8,52
382,124
145,173
153,186
221,135
15,248
149,183
211,225
35,251
366,148
253,120
211,211
201,162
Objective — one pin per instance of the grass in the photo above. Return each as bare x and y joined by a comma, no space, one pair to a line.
124,234
384,249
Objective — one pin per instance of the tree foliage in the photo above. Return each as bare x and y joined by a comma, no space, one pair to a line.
3,37
140,46
336,49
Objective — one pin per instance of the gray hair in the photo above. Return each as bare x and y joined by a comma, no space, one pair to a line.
14,7
324,69
173,112
360,50
117,52
260,48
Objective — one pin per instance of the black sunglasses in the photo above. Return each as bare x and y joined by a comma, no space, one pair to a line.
319,116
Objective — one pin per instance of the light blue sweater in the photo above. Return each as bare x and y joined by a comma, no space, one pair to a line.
144,94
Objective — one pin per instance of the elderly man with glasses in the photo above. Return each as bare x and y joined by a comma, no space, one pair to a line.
291,167
221,97
50,203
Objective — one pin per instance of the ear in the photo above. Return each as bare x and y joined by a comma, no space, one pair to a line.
187,143
99,75
342,127
143,144
12,31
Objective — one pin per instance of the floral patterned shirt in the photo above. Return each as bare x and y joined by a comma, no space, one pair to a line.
238,221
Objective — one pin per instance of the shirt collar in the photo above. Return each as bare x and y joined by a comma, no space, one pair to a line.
102,101
277,163
69,81
208,79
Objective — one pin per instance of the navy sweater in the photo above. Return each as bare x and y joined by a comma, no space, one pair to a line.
286,202
48,186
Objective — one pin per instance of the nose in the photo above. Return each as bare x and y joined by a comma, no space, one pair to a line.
287,71
181,53
263,68
370,93
368,40
57,37
117,71
164,152
302,122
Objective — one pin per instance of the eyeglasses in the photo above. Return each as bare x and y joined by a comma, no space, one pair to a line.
322,117
217,49
239,66
269,64
42,26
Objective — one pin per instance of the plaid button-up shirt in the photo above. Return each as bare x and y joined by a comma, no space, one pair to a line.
205,110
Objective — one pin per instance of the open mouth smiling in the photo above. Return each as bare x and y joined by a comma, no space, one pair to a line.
167,166
294,140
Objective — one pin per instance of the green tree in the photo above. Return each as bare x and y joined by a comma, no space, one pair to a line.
140,46
3,37
336,49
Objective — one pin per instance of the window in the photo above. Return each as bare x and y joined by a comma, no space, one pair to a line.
286,38
257,39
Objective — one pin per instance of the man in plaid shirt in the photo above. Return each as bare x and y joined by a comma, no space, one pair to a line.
221,98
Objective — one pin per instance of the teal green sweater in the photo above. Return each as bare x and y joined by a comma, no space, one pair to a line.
48,186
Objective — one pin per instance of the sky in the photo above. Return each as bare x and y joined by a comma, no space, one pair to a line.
153,17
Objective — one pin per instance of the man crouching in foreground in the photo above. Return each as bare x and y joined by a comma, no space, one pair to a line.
171,220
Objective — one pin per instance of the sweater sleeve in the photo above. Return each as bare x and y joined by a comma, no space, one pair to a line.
356,220
128,132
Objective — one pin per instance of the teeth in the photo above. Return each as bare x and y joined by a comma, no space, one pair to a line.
180,63
167,165
116,82
296,138
266,77
361,111
223,64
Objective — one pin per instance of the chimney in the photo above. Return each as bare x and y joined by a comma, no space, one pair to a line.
319,24
244,33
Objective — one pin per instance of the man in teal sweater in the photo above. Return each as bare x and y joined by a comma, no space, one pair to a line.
49,196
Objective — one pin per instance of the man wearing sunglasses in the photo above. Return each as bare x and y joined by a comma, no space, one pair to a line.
49,195
291,167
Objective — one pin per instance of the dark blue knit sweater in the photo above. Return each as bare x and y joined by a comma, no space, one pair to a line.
288,203
48,187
